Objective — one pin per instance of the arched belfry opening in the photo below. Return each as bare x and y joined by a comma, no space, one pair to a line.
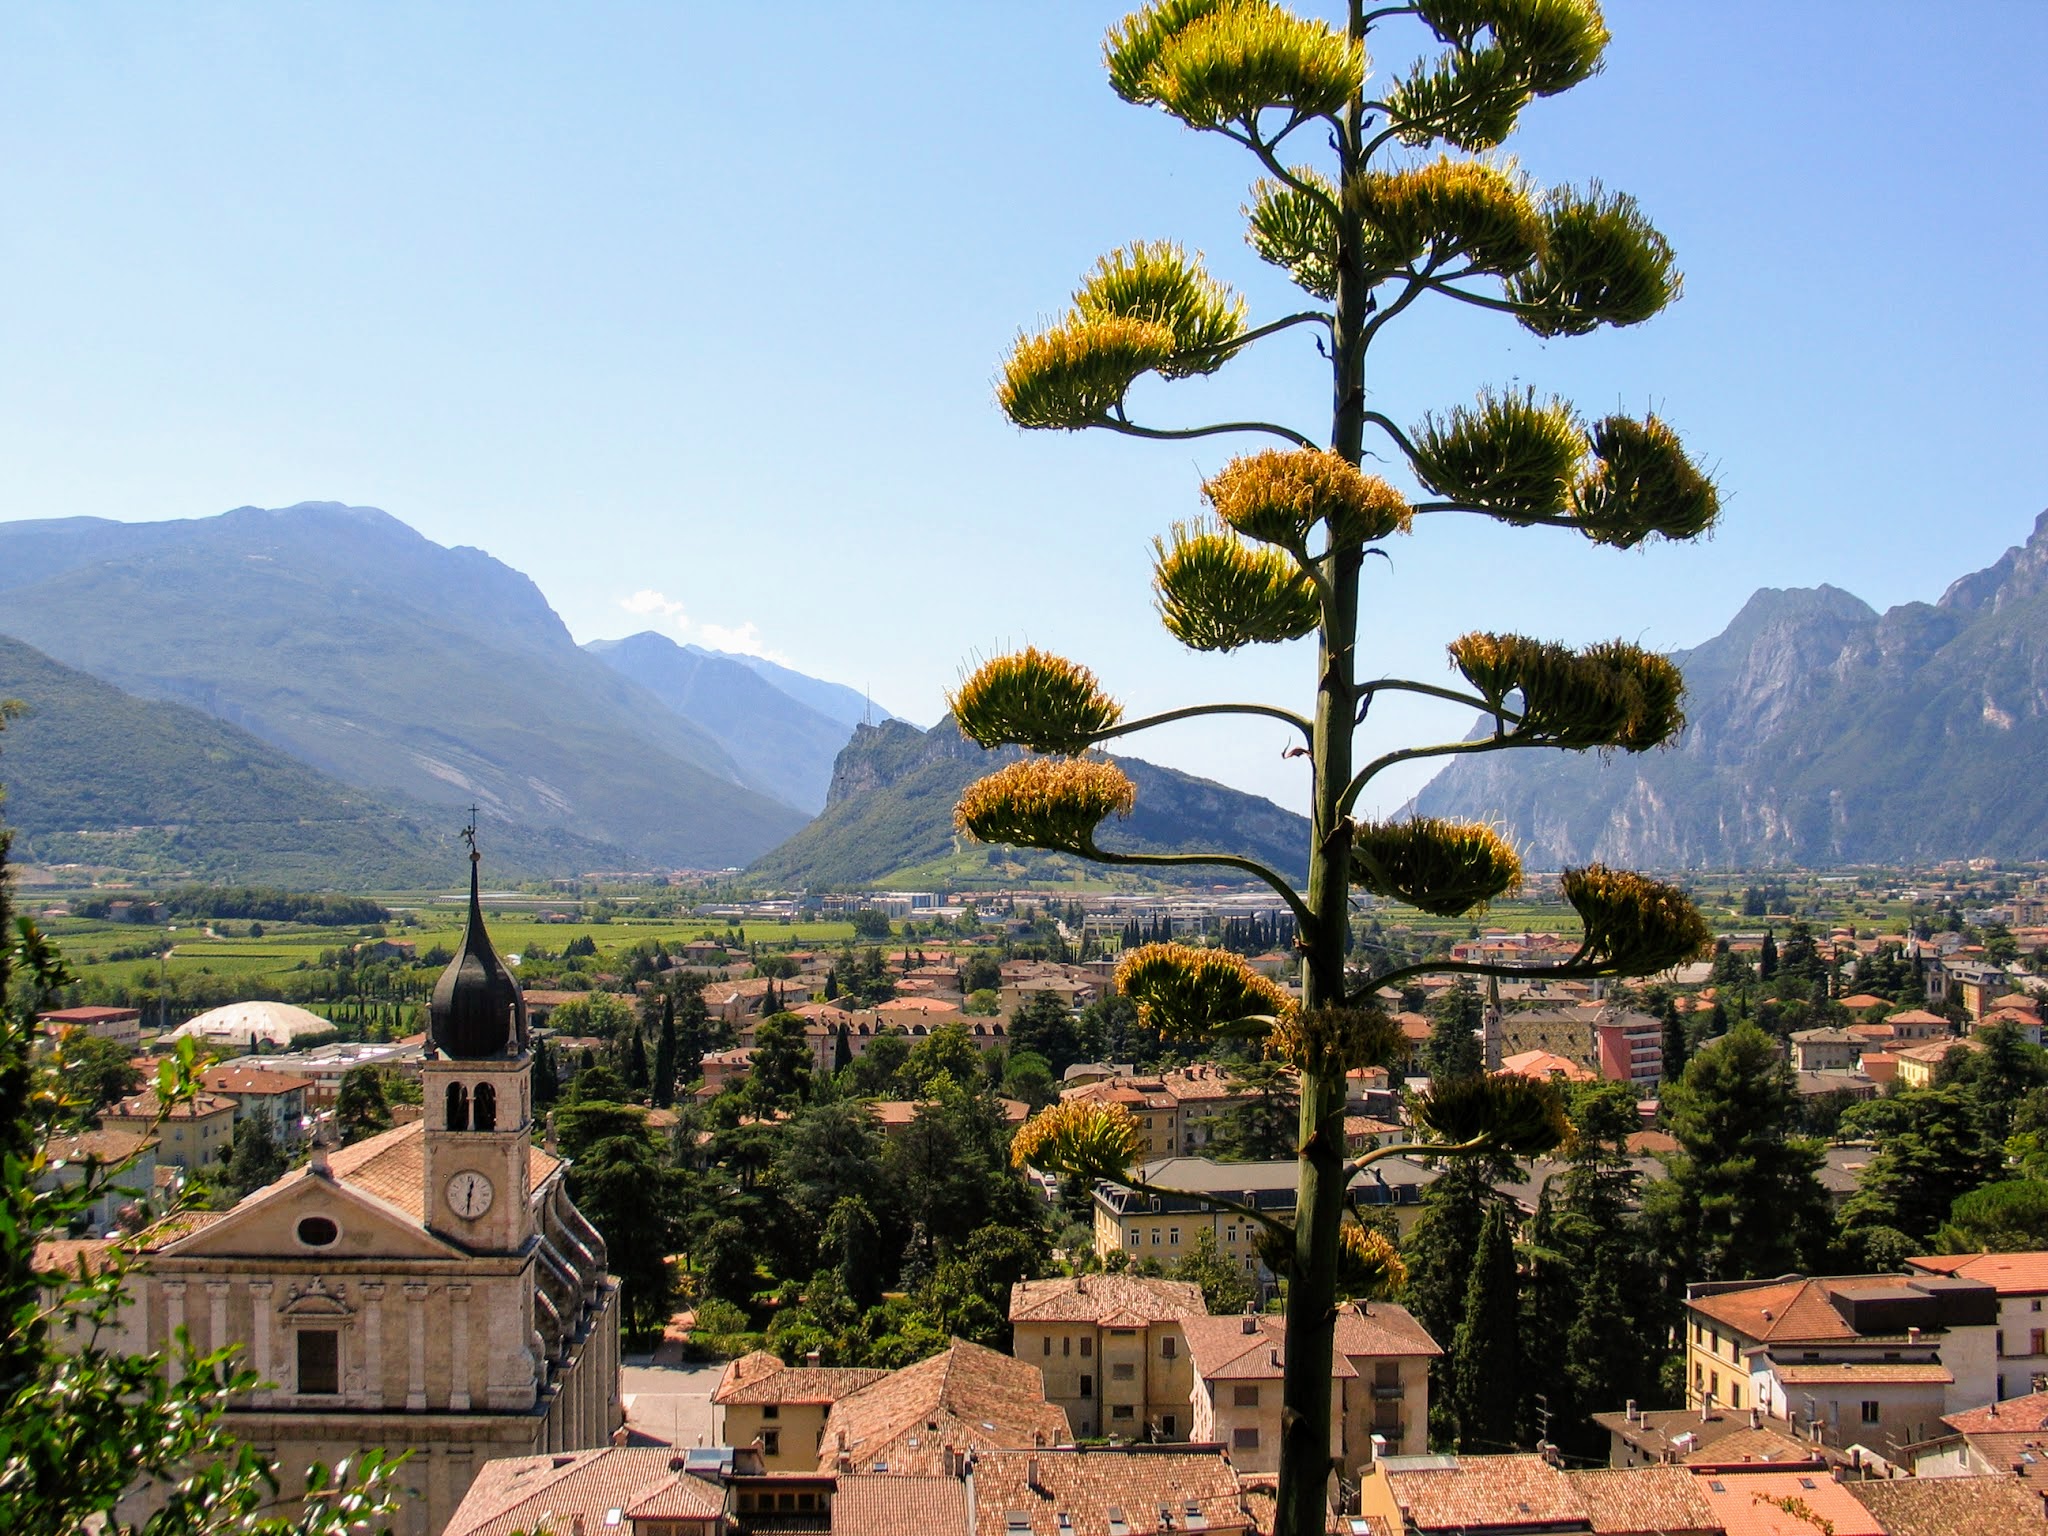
485,1112
458,1107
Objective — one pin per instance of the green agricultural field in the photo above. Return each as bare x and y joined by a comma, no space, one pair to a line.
88,943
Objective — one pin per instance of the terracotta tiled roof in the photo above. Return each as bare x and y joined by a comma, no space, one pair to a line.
968,1398
751,1366
1382,1329
2015,1415
251,1080
533,1493
2010,1274
99,1146
1864,1000
890,1504
1789,1309
1248,1348
1545,1064
1092,1298
1643,1501
799,1384
1861,1372
1093,1486
1951,1506
1486,1492
143,1106
1746,1503
67,1253
1746,1444
392,1167
1915,1016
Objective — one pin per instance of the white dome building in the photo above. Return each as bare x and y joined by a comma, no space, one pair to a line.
246,1026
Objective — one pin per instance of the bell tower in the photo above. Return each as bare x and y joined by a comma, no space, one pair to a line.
477,1079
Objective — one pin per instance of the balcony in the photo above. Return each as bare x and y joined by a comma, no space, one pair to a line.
1388,1391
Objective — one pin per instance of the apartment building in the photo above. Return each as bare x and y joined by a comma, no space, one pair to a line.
1112,1350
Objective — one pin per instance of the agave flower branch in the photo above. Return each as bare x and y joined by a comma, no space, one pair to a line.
1410,198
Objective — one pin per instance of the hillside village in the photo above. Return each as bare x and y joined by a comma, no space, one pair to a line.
1104,1358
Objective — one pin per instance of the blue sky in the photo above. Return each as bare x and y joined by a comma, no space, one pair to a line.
692,312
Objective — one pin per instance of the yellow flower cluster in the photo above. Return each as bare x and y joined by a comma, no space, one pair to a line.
1045,802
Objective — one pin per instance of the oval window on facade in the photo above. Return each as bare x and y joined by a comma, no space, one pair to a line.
317,1231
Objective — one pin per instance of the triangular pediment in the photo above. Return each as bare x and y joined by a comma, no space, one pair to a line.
281,1222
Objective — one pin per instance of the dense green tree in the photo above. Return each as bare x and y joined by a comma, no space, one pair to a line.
1767,957
945,1056
256,1158
1676,1046
1999,1075
1046,1027
779,1075
627,1187
547,1082
637,1073
1262,1123
1441,1249
1938,1155
853,1241
597,1015
93,1073
2010,1216
875,1072
1486,1350
664,1083
825,1155
1028,1076
360,1108
1743,1198
581,1125
1225,1288
1454,1049
599,1084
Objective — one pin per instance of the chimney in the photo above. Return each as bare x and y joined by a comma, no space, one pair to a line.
1031,1474
1756,1418
1912,1335
1080,1285
1634,1414
811,1359
621,1435
1251,1324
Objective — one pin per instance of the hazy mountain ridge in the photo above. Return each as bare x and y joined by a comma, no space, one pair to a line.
780,744
1821,733
439,676
97,776
890,809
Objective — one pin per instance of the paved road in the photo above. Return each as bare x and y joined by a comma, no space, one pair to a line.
670,1402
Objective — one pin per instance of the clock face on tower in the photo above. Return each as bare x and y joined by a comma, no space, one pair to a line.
469,1195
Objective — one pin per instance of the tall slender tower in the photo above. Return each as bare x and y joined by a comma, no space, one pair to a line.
1489,1025
477,1077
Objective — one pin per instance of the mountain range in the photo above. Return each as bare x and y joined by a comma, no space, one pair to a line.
347,640
314,695
888,819
1820,733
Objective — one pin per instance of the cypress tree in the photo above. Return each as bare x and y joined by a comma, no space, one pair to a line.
1486,1354
636,1061
1767,957
665,1056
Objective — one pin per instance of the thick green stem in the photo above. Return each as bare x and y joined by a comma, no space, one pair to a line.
1322,1179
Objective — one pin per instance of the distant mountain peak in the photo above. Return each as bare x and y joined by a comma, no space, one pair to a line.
1821,734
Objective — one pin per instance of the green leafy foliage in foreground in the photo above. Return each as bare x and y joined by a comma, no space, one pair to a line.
81,1421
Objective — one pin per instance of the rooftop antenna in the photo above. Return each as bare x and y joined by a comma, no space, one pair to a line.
867,695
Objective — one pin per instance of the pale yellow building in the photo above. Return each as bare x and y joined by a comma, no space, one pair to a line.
781,1409
194,1133
1111,1350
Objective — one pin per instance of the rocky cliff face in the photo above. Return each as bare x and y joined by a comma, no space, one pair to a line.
890,808
1820,733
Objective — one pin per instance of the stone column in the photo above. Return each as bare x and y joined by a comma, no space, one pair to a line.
262,1322
174,1312
458,1374
373,1341
216,1313
416,1319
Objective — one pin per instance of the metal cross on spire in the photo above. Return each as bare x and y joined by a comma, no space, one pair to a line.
469,832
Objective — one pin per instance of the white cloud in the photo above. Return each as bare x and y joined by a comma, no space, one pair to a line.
744,639
648,602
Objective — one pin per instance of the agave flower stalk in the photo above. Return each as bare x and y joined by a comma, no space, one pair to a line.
1411,201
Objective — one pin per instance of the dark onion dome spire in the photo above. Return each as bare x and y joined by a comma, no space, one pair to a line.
477,1009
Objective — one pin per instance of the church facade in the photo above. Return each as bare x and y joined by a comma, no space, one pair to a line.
431,1290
